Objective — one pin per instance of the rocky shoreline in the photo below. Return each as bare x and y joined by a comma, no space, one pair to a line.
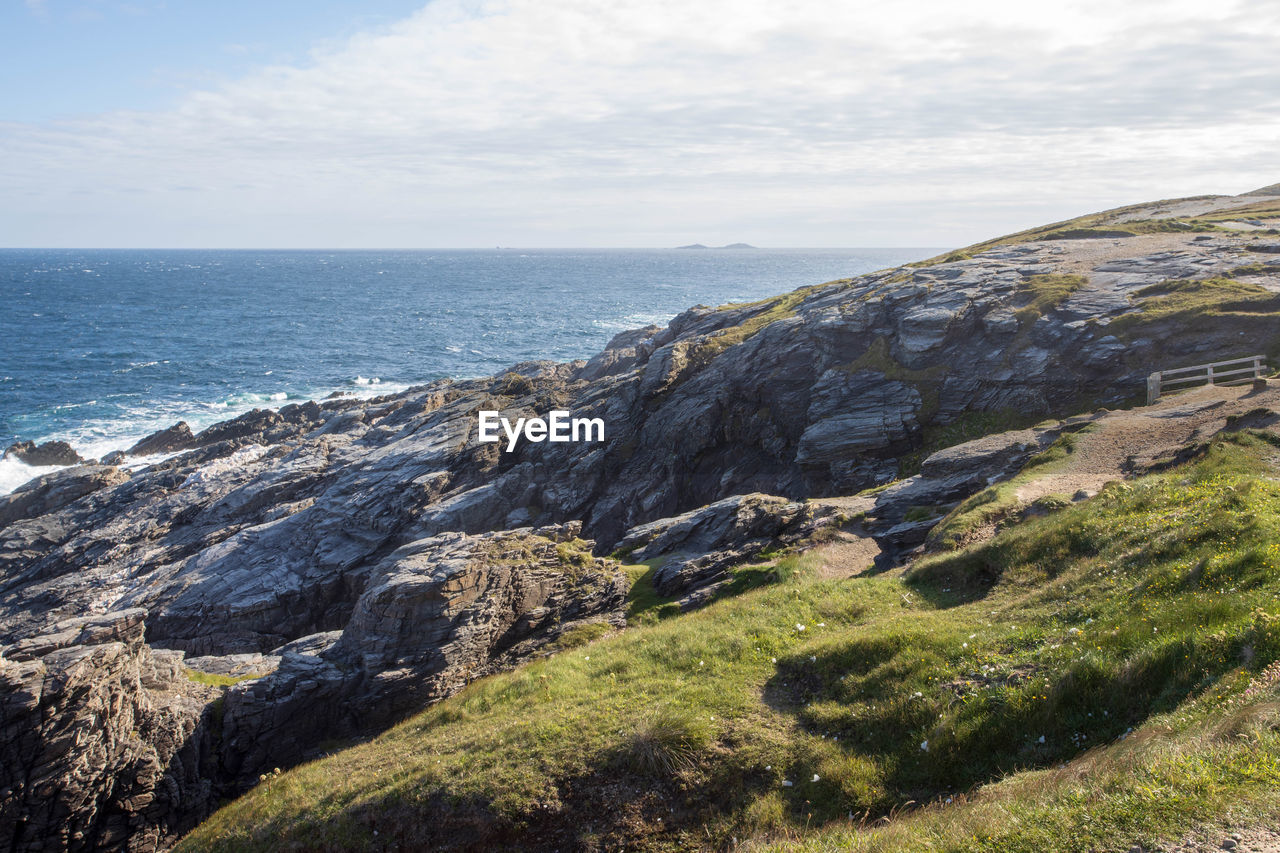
358,559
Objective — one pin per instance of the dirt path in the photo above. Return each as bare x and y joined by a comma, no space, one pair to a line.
848,555
1251,840
1130,442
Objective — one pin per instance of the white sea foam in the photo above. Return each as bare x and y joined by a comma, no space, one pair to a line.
96,437
14,473
213,470
633,321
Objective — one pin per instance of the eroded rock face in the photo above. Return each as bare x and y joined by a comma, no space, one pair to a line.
105,743
697,547
100,740
436,614
946,478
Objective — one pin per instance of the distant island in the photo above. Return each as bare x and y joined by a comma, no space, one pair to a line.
730,246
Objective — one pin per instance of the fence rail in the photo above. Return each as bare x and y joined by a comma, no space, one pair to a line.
1242,370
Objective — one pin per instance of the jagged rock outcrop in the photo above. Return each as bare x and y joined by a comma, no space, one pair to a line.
436,614
267,529
51,492
42,455
947,477
170,440
105,743
100,740
697,547
274,541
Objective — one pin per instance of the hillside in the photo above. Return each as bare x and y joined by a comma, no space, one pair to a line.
1096,675
296,581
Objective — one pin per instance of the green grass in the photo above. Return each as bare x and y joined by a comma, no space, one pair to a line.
1042,293
1221,308
644,605
214,680
1152,610
970,425
1114,224
998,502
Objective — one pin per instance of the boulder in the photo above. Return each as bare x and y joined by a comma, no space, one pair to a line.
170,440
42,455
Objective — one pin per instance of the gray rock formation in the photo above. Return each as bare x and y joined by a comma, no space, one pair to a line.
49,453
436,614
50,492
333,544
100,740
946,478
697,547
175,438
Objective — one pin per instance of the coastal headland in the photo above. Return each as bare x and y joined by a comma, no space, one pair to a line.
884,561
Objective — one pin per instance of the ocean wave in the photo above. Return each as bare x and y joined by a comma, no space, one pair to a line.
633,321
94,438
14,473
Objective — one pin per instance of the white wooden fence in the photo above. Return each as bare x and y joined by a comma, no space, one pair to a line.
1237,371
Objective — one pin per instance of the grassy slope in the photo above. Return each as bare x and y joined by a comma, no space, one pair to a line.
1117,223
1152,608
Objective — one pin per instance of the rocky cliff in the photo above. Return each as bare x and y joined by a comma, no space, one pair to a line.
371,556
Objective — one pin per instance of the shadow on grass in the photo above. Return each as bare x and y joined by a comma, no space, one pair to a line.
932,726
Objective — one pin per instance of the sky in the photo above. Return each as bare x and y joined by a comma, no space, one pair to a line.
627,123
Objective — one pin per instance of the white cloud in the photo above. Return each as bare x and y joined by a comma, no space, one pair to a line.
571,122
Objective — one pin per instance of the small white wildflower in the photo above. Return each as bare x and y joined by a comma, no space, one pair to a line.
586,657
971,636
775,660
822,624
799,627
786,783
964,645
813,658
815,777
768,767
1041,738
924,745
702,663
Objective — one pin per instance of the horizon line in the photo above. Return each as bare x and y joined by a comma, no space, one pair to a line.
444,248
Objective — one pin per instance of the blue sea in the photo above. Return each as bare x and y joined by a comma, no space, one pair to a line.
102,347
